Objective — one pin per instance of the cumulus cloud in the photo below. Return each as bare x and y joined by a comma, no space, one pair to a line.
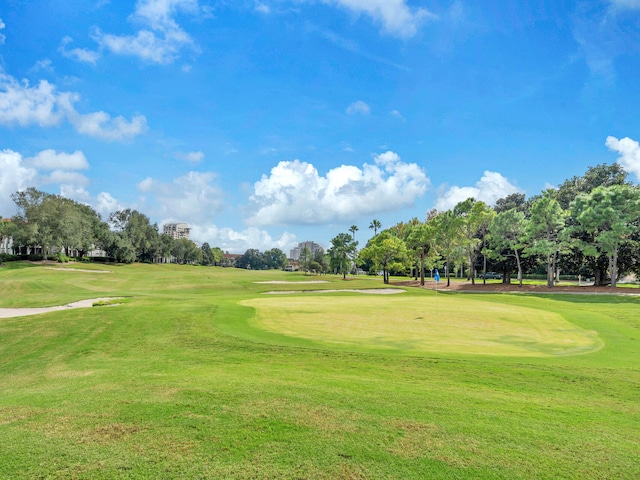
233,241
52,160
163,39
358,107
14,176
65,178
106,204
190,157
295,193
79,54
490,188
629,153
43,105
396,17
192,198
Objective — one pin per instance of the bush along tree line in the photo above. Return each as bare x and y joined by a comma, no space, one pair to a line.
587,227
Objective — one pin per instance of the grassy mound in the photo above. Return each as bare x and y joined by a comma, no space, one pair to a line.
424,324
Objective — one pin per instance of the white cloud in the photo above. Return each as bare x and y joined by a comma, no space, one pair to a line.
80,54
44,65
2,27
191,157
396,17
262,8
191,198
294,192
397,114
163,42
52,160
629,153
233,241
14,176
358,107
64,178
25,105
105,205
625,4
101,125
490,188
43,105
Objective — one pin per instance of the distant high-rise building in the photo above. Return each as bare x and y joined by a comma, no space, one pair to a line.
313,247
176,230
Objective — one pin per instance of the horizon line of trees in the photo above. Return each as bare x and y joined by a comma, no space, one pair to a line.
588,226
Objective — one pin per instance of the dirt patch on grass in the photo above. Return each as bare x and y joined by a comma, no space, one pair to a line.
369,291
285,282
85,270
498,287
23,312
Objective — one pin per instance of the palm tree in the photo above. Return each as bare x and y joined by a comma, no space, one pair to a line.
353,229
375,225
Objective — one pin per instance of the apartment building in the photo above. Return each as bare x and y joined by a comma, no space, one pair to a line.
176,230
313,247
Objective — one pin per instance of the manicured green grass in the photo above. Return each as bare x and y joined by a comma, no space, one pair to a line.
197,376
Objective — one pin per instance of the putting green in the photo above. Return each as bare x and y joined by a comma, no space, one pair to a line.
453,324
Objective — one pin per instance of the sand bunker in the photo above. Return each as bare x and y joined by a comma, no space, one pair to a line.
23,312
277,282
369,291
64,269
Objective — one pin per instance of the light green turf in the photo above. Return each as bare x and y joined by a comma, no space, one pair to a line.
424,324
178,382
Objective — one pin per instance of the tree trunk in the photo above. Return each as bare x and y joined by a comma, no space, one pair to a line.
422,269
614,269
519,267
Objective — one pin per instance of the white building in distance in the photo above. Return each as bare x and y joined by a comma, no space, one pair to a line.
313,247
176,230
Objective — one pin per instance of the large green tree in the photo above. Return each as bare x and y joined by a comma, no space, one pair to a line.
448,238
474,217
341,252
385,251
609,215
545,233
420,240
275,258
506,237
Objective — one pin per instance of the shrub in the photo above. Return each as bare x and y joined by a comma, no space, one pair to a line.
7,257
60,258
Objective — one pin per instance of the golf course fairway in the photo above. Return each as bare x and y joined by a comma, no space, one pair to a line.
199,372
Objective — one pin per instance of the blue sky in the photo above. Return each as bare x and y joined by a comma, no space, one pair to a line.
265,123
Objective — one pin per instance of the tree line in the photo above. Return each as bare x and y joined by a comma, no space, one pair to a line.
587,226
52,225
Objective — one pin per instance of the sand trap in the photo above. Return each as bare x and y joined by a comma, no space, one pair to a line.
64,269
369,291
280,282
23,312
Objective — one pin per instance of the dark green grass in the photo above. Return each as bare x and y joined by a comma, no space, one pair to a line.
157,389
